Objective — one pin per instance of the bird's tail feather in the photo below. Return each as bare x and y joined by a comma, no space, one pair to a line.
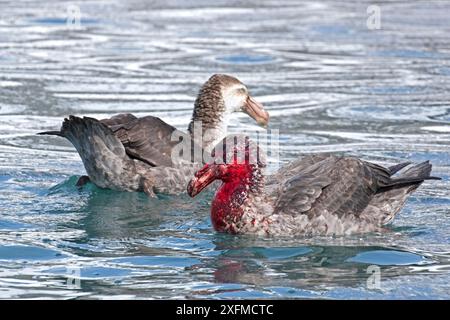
103,155
51,133
392,194
396,168
412,176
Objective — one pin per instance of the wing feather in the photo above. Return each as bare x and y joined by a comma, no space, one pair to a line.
338,185
148,139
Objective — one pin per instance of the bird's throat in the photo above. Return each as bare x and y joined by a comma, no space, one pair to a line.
206,133
227,207
231,200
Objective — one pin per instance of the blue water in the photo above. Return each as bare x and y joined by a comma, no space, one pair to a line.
387,257
245,59
62,21
330,85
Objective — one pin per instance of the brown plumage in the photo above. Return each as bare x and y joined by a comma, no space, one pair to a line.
314,195
210,102
127,153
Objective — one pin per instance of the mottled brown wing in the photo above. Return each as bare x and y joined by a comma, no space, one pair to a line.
148,139
338,185
301,185
119,119
296,166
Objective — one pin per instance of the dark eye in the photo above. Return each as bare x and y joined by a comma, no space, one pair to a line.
242,91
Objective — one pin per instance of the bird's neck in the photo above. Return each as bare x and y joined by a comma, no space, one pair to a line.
233,198
209,119
207,133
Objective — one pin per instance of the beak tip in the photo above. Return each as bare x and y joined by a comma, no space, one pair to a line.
264,121
191,189
256,110
201,180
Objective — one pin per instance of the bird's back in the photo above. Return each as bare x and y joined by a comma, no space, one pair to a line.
328,194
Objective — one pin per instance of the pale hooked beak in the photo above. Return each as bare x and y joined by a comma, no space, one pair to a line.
256,110
202,179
